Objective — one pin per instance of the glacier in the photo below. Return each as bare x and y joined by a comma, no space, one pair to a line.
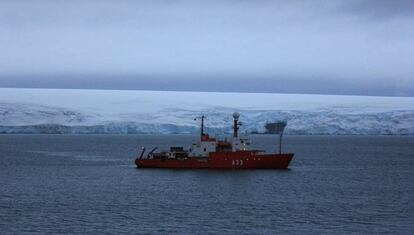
70,111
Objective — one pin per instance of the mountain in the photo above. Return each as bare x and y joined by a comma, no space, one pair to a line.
111,111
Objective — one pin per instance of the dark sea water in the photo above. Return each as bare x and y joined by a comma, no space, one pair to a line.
80,184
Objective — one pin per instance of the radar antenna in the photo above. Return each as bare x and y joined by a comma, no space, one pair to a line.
236,125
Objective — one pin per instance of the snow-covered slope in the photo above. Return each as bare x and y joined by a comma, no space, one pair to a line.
109,111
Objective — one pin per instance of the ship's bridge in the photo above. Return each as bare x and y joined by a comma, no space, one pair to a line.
206,145
241,144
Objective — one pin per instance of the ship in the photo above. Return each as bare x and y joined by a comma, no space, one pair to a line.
211,153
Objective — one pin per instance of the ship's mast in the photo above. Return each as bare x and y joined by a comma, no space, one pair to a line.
202,126
202,134
236,124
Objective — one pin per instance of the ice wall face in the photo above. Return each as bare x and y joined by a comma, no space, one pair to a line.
85,111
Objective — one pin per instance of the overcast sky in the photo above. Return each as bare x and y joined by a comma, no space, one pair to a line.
331,47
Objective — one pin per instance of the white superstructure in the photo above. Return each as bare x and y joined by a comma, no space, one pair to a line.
203,148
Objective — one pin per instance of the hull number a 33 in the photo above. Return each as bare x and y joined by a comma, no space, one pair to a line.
237,162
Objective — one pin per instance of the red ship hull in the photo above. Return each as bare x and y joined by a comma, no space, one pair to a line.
222,160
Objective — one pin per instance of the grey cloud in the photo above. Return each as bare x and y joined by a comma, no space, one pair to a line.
379,9
361,46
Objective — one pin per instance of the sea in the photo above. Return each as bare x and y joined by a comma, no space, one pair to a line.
88,184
